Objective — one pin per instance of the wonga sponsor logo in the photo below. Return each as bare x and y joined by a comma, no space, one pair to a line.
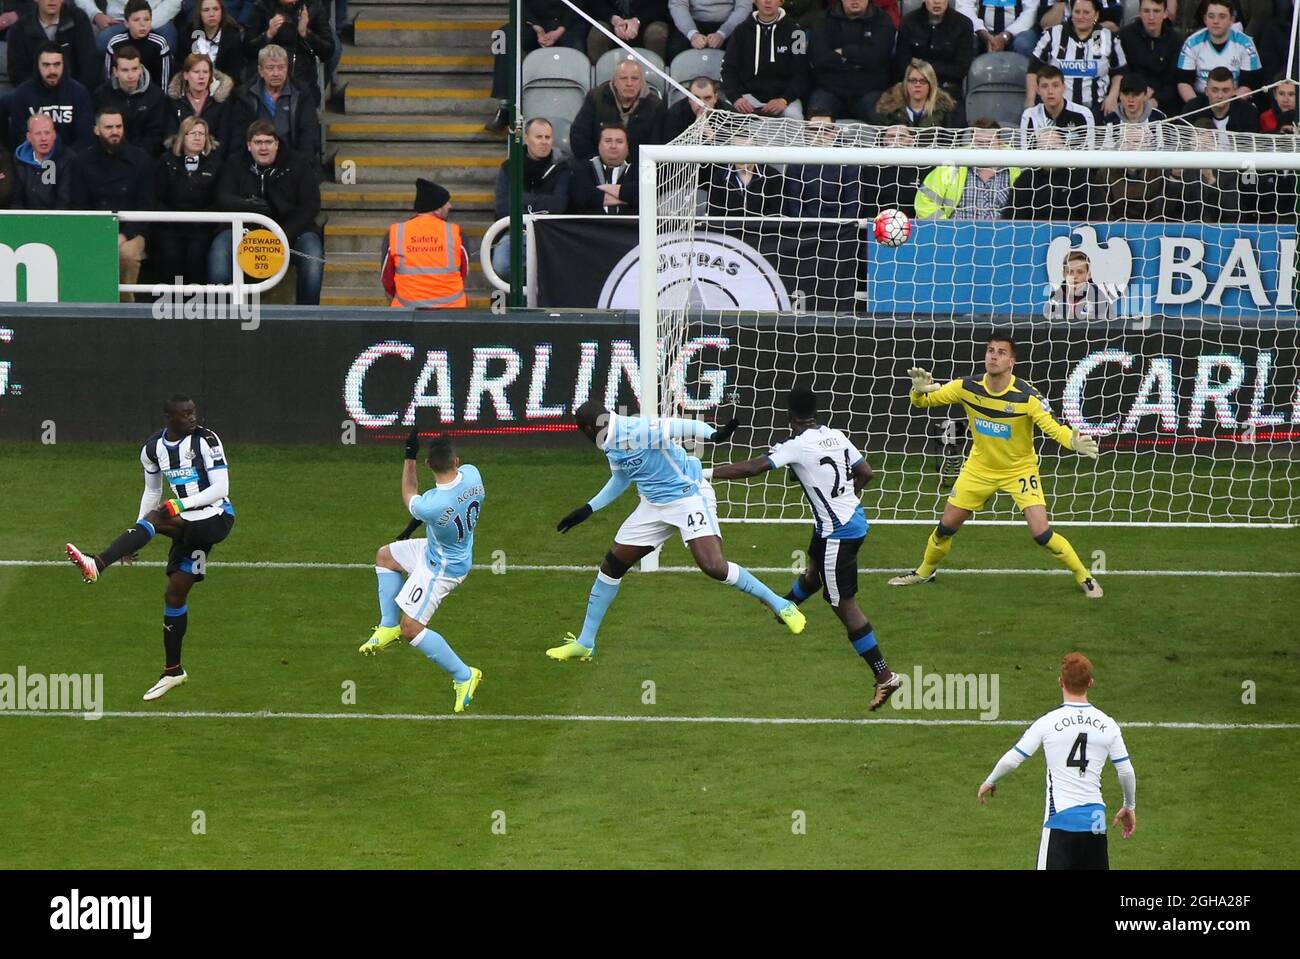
1000,431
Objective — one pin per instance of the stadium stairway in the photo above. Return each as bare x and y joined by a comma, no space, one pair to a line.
415,93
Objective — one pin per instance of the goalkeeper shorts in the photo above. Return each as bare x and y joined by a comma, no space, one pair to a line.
973,489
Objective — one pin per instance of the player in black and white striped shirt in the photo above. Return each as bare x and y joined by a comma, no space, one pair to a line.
832,473
196,517
1089,56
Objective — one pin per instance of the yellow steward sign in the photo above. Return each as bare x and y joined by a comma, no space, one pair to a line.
261,254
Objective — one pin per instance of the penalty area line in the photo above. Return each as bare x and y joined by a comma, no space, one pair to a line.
560,568
558,718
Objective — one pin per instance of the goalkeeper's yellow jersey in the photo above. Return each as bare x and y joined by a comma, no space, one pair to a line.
1001,424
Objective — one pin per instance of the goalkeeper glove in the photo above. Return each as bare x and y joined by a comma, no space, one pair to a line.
573,519
173,507
1083,445
412,447
922,381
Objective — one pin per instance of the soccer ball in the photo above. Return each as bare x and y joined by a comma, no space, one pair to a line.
892,227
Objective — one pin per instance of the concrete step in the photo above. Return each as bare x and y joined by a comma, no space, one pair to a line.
394,199
466,165
459,96
463,95
441,28
436,128
361,272
413,60
364,233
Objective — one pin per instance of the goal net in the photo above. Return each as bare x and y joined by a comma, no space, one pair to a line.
1148,274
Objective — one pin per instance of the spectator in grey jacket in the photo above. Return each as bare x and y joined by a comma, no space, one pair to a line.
704,23
546,185
294,114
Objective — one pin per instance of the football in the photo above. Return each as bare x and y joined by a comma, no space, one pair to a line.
892,227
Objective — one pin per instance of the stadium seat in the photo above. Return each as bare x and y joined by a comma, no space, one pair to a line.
606,65
1005,106
690,64
995,87
1131,9
552,103
556,81
557,66
998,70
560,134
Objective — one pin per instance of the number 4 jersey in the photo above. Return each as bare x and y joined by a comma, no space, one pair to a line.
450,512
1077,739
823,460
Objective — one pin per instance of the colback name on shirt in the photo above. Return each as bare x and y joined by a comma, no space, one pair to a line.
1079,719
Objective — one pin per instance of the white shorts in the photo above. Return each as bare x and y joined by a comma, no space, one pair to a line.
424,590
652,523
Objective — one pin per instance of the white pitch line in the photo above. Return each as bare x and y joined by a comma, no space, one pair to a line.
557,718
526,568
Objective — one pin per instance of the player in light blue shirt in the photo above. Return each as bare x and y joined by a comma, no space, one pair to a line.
416,575
675,497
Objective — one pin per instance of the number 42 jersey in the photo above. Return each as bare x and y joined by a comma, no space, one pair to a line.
450,512
823,460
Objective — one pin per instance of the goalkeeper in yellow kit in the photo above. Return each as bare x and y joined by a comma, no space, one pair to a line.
1003,412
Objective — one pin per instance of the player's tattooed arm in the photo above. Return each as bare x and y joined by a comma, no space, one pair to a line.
411,527
728,471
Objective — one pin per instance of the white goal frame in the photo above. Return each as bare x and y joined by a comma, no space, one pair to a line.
652,156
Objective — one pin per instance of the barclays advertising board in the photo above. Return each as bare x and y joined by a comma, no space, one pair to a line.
1238,272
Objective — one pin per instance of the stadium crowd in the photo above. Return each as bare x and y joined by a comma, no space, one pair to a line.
1090,78
214,105
182,105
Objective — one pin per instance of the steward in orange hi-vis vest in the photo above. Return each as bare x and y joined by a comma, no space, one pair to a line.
425,261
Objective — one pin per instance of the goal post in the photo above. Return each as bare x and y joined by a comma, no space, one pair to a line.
1189,377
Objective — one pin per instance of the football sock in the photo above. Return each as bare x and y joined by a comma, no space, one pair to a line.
390,584
1060,547
799,591
175,622
436,649
864,644
744,581
936,551
129,542
603,591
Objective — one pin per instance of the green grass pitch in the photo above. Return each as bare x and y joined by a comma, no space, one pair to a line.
472,792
